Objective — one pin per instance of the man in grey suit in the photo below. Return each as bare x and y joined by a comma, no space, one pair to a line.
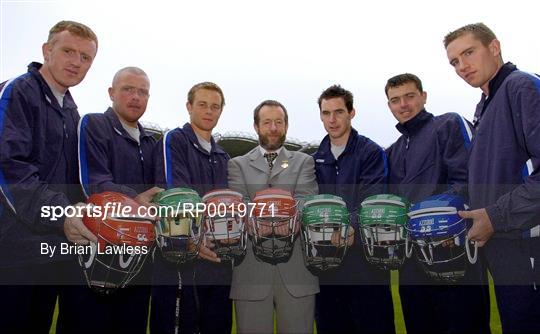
258,287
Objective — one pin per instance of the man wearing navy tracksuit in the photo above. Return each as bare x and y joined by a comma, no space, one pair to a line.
356,297
38,168
430,157
189,157
115,154
504,172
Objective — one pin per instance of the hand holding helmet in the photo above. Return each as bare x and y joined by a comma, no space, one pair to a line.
76,231
326,233
124,238
439,236
224,228
179,228
481,229
273,224
382,227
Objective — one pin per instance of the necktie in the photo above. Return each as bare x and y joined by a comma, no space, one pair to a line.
270,158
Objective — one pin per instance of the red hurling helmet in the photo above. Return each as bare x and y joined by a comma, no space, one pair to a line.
125,238
273,224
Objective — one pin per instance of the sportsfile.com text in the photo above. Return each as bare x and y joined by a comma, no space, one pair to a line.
220,210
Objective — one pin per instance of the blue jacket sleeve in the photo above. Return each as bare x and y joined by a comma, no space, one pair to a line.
22,189
171,165
94,152
520,208
455,137
374,177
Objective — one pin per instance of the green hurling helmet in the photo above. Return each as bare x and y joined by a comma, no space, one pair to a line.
325,227
178,232
382,221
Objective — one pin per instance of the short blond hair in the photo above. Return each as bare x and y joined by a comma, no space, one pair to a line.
479,30
76,28
130,69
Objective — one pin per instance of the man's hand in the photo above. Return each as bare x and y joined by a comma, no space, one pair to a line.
481,229
229,241
75,230
145,198
282,229
205,251
337,240
263,229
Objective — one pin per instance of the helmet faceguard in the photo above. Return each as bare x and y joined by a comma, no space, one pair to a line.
224,223
439,235
273,225
325,227
179,228
382,229
123,241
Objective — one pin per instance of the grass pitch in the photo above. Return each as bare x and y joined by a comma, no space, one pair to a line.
495,321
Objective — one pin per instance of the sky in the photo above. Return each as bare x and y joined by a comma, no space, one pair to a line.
289,51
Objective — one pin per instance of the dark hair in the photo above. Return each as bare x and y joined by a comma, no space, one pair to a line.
272,103
337,91
479,30
402,79
205,85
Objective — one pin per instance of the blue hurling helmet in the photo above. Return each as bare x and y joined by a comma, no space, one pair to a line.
439,235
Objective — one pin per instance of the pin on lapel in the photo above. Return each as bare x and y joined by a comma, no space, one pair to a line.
285,164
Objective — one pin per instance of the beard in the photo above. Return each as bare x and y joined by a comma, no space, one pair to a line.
271,144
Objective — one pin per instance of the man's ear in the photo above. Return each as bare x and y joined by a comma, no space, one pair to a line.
111,93
495,47
189,107
46,50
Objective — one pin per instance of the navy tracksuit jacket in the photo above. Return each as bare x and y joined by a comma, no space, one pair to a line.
38,168
430,157
504,178
356,296
204,304
111,160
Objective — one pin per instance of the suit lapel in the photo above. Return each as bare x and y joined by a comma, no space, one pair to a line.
257,161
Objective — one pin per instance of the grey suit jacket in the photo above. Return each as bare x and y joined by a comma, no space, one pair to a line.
293,171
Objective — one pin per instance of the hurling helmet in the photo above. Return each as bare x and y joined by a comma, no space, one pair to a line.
224,223
325,227
178,232
273,225
124,241
382,221
439,236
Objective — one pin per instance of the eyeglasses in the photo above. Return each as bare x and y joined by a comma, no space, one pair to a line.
134,90
277,122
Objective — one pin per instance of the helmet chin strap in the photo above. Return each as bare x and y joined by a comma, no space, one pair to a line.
474,257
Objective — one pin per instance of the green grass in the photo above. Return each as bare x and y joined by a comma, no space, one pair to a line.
495,321
399,322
